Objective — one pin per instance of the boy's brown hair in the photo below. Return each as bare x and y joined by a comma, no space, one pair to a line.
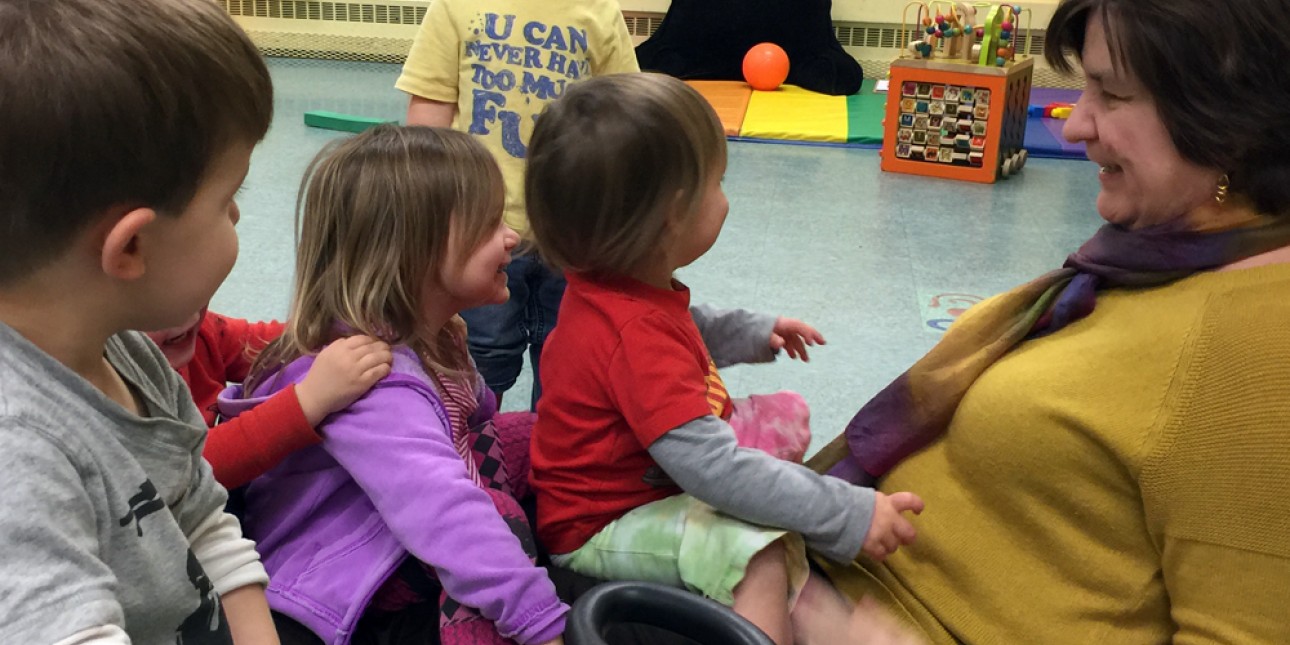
611,162
114,104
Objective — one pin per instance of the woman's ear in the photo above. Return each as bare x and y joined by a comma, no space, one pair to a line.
121,252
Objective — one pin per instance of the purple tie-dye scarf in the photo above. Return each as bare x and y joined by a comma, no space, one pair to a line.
915,409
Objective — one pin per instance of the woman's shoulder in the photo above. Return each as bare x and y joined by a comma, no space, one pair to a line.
1257,280
1228,389
1249,303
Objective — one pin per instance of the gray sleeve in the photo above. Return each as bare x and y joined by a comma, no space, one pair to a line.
203,495
53,582
734,335
704,459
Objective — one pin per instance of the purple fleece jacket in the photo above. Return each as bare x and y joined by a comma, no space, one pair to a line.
333,521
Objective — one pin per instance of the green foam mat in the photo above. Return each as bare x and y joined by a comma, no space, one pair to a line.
864,114
342,122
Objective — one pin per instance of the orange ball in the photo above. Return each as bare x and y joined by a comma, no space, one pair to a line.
765,66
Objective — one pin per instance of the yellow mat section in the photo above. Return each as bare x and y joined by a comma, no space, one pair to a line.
795,114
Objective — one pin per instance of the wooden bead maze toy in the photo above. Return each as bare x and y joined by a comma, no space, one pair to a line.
959,93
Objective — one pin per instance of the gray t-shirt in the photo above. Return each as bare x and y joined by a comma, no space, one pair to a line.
97,504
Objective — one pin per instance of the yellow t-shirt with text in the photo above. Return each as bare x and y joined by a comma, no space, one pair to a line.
503,61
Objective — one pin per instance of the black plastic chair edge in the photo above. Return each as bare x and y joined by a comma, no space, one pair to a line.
646,603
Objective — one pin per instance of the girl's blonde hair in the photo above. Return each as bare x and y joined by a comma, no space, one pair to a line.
611,161
375,217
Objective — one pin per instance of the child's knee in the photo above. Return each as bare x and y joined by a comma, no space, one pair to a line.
769,563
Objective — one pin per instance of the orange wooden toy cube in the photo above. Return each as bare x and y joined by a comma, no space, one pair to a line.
956,120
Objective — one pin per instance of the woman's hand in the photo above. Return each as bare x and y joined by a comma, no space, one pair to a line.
793,336
890,528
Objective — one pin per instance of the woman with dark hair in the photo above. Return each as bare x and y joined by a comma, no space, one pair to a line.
1104,452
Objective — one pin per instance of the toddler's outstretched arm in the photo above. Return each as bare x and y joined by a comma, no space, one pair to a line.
734,335
741,336
793,336
705,460
835,518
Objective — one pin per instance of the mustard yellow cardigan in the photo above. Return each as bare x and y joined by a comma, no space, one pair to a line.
1126,480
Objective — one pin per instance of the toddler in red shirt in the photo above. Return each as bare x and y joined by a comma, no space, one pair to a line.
636,462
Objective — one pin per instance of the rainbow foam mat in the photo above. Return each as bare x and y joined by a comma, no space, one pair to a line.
794,115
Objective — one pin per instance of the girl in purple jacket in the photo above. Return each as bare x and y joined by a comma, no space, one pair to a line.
399,230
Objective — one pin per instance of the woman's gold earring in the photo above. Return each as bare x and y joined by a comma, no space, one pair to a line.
1220,193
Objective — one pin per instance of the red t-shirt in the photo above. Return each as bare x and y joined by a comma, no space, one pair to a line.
225,350
624,366
248,446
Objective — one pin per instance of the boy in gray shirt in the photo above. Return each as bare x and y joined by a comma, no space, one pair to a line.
126,127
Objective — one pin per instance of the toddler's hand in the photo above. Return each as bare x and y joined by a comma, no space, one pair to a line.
792,336
889,528
344,371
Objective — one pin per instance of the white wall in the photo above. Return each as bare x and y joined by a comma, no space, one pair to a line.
869,11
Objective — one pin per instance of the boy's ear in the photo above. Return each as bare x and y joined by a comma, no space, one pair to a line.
121,254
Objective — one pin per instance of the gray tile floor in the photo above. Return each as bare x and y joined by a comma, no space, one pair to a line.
817,233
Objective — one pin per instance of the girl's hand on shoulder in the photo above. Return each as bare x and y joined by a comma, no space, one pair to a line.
890,528
344,371
793,336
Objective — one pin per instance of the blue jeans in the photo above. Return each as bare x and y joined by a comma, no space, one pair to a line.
500,334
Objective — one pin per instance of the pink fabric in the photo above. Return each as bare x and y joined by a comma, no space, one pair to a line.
778,424
514,429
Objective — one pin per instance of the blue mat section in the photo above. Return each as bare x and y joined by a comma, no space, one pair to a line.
1044,136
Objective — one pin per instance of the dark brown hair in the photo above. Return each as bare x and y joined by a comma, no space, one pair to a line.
114,103
1219,73
611,161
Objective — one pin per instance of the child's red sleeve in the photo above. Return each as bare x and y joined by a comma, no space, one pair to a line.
239,341
247,446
